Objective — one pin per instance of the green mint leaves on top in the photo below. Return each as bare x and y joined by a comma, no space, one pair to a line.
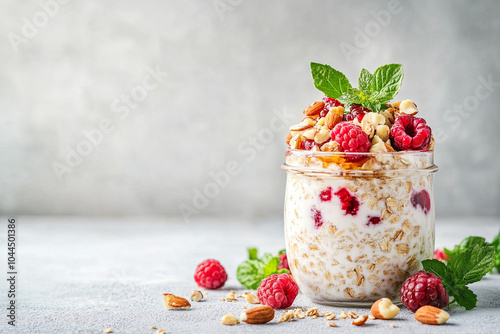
374,89
252,271
464,267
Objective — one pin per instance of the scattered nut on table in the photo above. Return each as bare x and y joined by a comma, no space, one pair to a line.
196,296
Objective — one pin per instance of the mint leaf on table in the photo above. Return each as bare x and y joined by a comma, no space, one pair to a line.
466,243
465,267
252,271
330,81
496,244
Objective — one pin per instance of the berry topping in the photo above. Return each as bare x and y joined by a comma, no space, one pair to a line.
350,203
278,291
351,138
317,217
210,274
326,195
357,111
422,289
421,199
374,221
439,254
410,133
283,262
329,104
307,144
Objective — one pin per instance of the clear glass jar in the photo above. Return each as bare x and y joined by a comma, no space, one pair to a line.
357,224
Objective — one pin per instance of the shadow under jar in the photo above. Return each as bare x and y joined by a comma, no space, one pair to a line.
357,224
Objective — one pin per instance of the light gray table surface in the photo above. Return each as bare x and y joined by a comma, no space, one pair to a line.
83,275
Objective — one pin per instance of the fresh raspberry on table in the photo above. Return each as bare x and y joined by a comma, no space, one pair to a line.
278,291
283,262
210,274
329,104
410,133
422,289
351,138
356,111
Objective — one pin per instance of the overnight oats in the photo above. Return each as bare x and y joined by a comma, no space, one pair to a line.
359,206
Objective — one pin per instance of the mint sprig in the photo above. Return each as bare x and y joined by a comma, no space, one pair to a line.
474,240
463,268
374,89
252,271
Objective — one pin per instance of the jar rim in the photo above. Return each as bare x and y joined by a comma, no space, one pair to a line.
363,164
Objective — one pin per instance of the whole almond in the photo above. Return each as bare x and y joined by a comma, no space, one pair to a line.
314,109
332,119
258,315
384,309
175,303
431,315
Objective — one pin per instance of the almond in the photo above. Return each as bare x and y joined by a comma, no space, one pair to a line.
258,315
314,109
332,119
384,309
174,302
288,137
305,124
431,315
359,321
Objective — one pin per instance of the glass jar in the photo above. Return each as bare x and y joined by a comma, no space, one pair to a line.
357,224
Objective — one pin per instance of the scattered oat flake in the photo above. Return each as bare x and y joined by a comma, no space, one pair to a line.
343,315
160,331
108,330
331,324
331,317
393,325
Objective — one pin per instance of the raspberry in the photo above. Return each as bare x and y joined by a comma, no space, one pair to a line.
439,254
278,291
326,195
421,199
283,262
307,144
410,133
317,217
351,138
422,289
329,104
356,111
372,220
210,274
350,204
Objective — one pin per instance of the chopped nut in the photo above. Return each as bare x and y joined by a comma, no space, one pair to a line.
305,124
331,146
384,309
108,330
408,107
196,296
172,302
251,298
359,321
160,331
229,320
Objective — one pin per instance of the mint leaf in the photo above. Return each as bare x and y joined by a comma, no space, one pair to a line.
387,80
496,244
465,297
283,251
472,264
251,272
330,81
466,243
436,267
365,81
252,253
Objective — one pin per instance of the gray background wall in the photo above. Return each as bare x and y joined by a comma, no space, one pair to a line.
228,67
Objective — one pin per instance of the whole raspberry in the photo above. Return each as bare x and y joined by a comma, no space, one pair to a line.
410,133
283,262
422,289
278,291
210,274
351,138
